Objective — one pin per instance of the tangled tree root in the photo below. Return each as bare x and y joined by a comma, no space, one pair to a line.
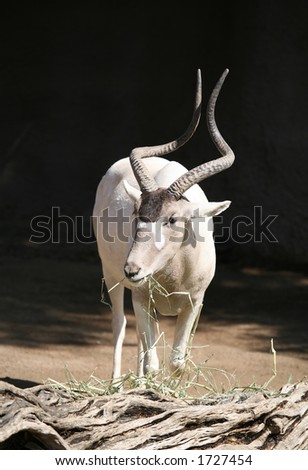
45,418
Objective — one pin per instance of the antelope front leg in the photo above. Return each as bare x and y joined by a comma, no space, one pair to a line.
184,326
118,324
140,358
146,333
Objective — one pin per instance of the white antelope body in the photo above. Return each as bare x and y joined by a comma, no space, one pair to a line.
153,224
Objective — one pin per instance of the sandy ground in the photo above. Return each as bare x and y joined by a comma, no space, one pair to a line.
51,318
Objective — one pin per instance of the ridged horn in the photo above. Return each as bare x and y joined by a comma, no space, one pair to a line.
145,180
201,172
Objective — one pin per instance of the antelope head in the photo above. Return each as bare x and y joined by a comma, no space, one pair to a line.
162,214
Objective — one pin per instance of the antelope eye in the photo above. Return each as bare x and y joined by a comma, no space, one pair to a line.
172,220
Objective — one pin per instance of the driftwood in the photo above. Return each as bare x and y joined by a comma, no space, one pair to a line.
45,418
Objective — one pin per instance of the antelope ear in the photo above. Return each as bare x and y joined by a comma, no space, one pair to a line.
133,193
210,209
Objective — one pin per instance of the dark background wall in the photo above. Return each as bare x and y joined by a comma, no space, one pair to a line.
81,84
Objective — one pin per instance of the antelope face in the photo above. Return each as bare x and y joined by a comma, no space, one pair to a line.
161,228
162,214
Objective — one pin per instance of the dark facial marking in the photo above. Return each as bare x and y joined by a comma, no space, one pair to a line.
152,203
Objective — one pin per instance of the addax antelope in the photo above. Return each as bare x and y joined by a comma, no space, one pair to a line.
153,223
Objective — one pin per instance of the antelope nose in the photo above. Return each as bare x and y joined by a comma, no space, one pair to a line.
131,270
